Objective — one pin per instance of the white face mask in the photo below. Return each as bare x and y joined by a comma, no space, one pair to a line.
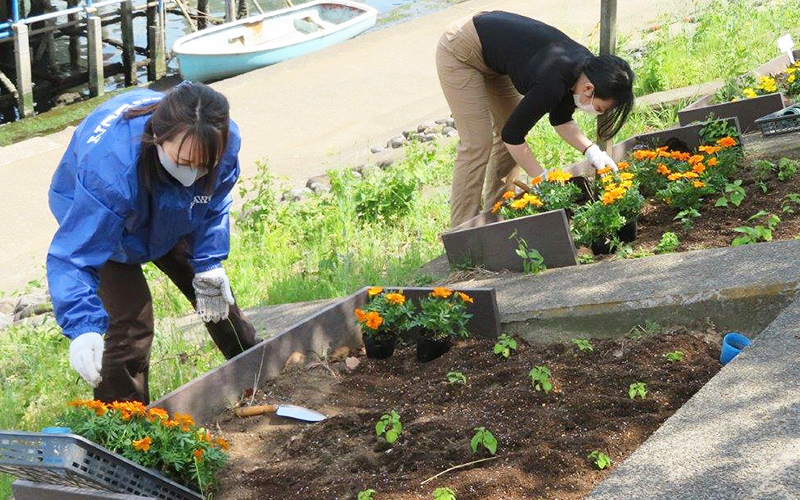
185,175
586,108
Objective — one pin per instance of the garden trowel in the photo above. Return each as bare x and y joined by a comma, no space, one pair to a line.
289,411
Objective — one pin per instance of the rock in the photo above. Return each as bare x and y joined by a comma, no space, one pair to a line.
408,134
352,363
442,121
386,163
340,353
452,133
448,130
32,299
5,321
296,194
8,306
451,123
435,129
397,142
425,126
377,149
319,188
427,137
296,359
356,173
67,98
33,310
318,179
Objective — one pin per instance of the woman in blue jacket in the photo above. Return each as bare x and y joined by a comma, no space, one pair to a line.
147,177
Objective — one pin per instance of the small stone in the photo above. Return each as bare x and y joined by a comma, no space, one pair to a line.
318,179
352,363
67,98
386,163
442,121
434,130
427,137
32,299
377,149
452,133
319,188
451,123
397,142
356,173
425,126
340,353
408,134
448,130
617,353
5,321
8,306
296,359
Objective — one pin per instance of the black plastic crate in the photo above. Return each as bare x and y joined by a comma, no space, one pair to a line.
781,122
70,460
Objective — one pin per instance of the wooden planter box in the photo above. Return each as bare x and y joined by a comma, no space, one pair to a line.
484,241
746,110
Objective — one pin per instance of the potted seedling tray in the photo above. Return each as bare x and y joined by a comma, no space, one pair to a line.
71,461
746,110
781,122
489,242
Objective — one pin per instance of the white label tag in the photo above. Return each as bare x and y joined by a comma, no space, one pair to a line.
785,44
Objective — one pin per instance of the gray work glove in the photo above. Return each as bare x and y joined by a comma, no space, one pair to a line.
213,293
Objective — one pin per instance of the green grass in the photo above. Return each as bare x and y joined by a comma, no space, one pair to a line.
51,121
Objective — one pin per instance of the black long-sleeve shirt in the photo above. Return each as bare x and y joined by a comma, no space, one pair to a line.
542,62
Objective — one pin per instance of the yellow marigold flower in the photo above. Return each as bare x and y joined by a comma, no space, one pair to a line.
604,170
222,444
519,204
644,154
711,162
623,165
558,176
695,159
791,78
142,444
690,175
726,142
749,93
373,320
375,290
395,298
606,179
198,455
618,192
673,177
532,200
536,180
698,184
663,169
610,186
441,293
699,168
508,195
360,315
158,413
626,184
709,150
626,176
497,206
465,297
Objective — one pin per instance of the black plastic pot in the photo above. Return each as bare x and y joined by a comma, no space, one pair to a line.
379,348
601,247
627,233
428,350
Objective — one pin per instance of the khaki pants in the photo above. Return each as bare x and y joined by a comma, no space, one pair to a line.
481,101
126,298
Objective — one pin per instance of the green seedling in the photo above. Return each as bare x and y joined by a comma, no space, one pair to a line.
786,169
637,389
505,345
758,232
456,378
763,169
483,438
675,356
669,242
540,379
687,217
585,259
583,345
390,425
789,200
628,252
649,327
444,494
366,494
532,260
734,194
600,459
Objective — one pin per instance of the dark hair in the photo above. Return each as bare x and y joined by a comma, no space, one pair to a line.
612,78
191,108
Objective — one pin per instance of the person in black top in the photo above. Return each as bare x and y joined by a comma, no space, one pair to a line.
501,73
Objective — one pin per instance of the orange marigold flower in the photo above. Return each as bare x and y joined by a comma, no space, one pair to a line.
680,156
441,293
373,320
375,290
509,194
695,159
142,444
662,149
690,175
726,142
644,154
204,435
395,298
198,455
698,184
699,168
222,443
604,170
465,297
558,176
532,200
609,197
185,420
519,204
709,150
623,165
360,315
664,154
536,180
663,169
170,424
712,162
497,206
673,177
158,413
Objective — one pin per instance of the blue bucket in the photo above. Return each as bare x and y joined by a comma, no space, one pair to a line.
57,430
732,344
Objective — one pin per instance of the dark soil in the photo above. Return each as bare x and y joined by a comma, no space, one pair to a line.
543,440
715,227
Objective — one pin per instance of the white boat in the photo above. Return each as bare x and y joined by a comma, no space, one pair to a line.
257,41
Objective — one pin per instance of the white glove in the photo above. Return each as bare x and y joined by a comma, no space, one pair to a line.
599,158
213,293
86,356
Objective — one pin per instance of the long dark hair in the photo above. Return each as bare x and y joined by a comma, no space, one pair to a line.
191,108
612,78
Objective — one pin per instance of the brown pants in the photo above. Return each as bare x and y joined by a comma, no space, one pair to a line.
126,297
481,101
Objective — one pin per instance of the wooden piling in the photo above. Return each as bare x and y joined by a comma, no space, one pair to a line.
230,10
155,43
22,54
74,43
94,49
202,13
608,46
128,47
